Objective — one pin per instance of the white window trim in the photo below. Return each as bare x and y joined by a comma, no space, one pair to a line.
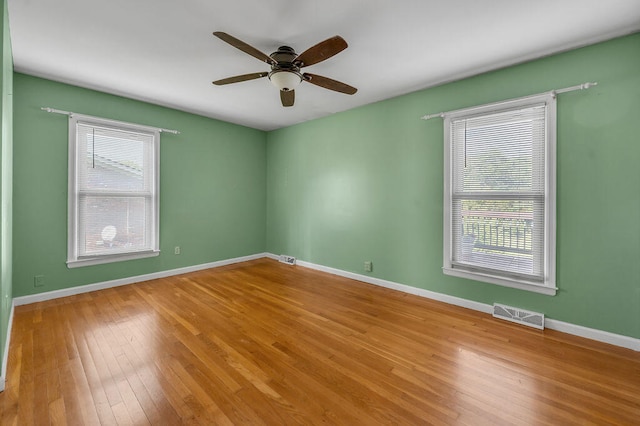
73,260
548,286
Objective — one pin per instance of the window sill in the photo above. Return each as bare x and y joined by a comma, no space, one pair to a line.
502,281
98,260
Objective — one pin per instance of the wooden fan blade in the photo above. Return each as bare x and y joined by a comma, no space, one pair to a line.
287,97
239,78
239,44
330,84
321,51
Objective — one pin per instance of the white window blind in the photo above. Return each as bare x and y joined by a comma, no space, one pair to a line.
500,193
113,192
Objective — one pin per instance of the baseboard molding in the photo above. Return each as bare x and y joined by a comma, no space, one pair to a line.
5,356
593,334
564,327
452,300
56,294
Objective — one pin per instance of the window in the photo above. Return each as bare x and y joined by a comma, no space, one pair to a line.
499,218
113,191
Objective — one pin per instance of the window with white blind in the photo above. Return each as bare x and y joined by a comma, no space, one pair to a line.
113,191
499,218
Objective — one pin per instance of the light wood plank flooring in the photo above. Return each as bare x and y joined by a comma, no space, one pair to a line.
266,343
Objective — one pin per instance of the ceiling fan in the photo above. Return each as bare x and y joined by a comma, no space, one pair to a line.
285,64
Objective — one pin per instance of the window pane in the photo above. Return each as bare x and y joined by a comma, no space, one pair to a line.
499,234
112,160
499,192
113,224
500,152
113,178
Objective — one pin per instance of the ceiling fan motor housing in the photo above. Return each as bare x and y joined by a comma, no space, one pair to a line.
285,74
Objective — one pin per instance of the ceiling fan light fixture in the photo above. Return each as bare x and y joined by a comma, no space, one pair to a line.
285,80
285,66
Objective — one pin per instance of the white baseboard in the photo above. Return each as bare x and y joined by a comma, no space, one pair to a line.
5,356
565,327
593,334
452,300
55,294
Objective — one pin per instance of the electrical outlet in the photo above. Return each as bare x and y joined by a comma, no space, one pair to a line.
368,266
176,250
38,281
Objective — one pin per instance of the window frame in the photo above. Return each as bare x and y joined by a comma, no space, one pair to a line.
74,257
504,278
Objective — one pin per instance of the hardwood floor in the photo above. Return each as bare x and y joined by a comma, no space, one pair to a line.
265,343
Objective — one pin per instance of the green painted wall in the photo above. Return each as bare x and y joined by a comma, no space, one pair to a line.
212,186
6,181
361,185
367,184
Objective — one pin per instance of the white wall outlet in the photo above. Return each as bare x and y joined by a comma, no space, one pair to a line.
368,266
176,250
38,281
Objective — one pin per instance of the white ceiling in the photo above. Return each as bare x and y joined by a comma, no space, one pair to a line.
163,51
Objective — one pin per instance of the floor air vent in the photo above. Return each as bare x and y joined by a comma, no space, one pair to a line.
289,260
532,319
